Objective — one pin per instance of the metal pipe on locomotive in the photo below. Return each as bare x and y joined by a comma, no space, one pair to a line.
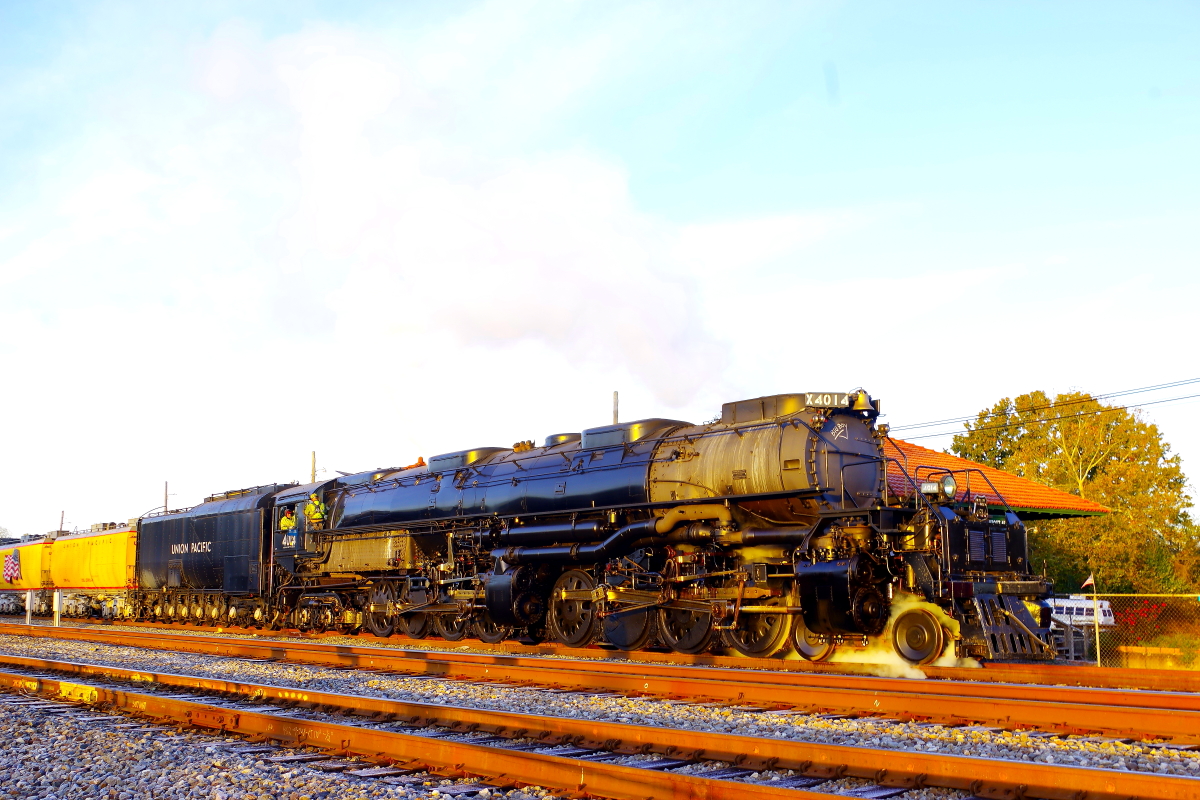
772,525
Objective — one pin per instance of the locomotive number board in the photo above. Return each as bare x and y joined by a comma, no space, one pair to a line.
826,399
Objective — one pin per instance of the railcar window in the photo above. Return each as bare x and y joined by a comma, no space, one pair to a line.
1089,613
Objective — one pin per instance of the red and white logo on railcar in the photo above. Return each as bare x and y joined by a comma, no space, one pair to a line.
12,567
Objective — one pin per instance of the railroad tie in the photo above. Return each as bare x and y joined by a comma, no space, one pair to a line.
335,766
251,750
378,772
459,789
725,774
798,782
663,764
880,792
298,758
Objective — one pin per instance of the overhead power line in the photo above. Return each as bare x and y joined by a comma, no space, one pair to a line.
1053,419
1088,399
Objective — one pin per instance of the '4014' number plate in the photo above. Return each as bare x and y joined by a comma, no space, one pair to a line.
826,399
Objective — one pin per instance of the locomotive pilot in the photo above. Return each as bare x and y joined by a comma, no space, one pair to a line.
288,521
315,512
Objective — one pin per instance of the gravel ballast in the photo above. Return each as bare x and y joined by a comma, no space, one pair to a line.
865,732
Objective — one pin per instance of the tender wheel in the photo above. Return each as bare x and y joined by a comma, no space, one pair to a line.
808,644
573,622
487,630
452,627
760,635
631,630
415,626
378,622
917,636
685,631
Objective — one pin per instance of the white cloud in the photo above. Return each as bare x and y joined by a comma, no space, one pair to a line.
317,247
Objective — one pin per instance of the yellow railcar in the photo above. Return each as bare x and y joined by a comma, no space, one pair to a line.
94,562
26,566
93,570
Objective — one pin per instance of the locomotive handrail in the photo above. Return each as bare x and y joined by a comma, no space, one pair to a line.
908,477
968,471
150,514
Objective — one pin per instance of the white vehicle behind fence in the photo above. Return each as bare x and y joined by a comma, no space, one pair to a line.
1073,626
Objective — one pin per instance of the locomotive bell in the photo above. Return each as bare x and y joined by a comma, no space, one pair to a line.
862,402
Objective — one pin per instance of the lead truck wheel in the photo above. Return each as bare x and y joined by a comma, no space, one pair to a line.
917,636
809,645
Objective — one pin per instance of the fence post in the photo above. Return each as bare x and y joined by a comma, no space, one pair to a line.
57,608
1096,622
29,607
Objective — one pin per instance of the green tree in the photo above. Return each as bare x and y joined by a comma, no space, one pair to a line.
1105,453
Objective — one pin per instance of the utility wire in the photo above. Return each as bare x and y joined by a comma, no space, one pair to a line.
1087,399
1052,419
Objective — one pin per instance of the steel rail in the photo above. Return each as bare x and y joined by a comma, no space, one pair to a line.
1164,680
491,764
1064,709
984,777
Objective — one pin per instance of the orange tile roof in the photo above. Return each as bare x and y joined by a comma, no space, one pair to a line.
1026,497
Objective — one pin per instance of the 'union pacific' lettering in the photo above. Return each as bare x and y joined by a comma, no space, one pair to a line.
194,547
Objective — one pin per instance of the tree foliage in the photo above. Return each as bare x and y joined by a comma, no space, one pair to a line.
1109,454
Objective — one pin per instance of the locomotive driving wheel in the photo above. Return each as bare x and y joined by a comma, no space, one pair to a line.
917,636
380,623
631,630
684,630
452,627
573,622
760,635
416,625
487,630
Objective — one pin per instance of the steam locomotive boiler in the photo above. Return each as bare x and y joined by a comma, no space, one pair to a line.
772,526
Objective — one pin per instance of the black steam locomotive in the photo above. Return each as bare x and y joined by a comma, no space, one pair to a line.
772,526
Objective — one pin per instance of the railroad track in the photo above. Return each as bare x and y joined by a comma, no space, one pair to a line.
577,757
1163,680
1137,715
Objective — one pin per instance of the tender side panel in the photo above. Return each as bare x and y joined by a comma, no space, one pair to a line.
159,562
94,562
222,550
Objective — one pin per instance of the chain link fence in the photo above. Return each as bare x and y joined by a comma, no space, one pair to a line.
1142,631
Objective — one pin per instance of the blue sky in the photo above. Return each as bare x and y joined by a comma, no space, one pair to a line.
399,229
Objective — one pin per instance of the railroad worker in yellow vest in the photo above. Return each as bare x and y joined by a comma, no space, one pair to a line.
288,521
315,512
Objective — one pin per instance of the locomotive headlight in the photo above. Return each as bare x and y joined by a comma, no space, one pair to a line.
949,487
945,488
